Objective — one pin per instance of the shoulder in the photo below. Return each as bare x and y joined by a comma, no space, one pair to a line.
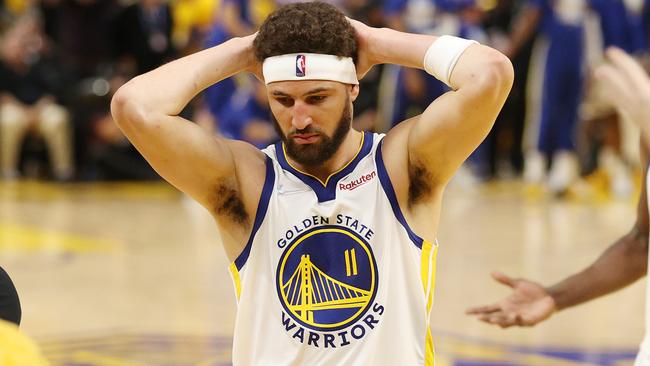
394,147
394,153
235,198
249,160
412,180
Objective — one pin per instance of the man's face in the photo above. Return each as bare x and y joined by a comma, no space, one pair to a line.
312,117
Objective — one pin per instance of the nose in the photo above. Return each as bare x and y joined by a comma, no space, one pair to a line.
300,118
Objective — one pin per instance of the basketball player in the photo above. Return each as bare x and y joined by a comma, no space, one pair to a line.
331,232
623,262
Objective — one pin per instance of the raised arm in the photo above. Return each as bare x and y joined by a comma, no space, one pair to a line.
441,138
147,107
453,125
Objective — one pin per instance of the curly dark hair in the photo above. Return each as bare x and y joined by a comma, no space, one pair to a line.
313,27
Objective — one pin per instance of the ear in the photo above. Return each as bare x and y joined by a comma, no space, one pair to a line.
354,92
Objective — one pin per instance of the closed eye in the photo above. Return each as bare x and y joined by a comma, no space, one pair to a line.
285,101
315,99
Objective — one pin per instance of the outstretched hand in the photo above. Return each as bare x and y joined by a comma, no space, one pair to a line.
528,304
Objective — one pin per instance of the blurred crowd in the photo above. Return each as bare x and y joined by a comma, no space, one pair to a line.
61,61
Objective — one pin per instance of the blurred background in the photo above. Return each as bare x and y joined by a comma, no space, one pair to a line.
115,267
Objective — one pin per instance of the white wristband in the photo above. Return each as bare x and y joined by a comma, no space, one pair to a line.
442,56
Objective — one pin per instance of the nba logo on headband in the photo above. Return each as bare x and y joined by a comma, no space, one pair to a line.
293,66
301,65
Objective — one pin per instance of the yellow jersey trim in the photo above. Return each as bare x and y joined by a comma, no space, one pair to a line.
432,269
424,265
235,278
428,276
284,151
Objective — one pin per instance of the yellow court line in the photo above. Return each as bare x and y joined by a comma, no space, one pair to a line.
35,190
97,359
33,239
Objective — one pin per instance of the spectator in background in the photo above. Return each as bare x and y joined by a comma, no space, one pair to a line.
114,158
366,105
236,18
80,31
141,41
608,141
12,9
554,88
28,101
247,117
192,21
504,143
143,36
622,24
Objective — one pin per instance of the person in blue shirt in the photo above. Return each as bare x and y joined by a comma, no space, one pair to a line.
234,20
554,87
247,117
613,138
622,24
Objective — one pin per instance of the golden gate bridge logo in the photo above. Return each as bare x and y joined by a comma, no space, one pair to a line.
327,278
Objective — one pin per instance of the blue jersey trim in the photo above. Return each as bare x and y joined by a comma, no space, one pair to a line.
325,191
392,197
262,206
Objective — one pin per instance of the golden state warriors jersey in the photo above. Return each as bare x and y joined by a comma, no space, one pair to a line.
332,274
643,357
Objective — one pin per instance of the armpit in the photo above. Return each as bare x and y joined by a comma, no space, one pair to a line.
420,183
227,203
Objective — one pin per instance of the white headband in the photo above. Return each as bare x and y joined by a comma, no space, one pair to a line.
309,66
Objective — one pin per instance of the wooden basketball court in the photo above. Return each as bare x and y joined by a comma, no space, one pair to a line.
133,274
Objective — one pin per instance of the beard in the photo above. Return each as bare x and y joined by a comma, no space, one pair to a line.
319,152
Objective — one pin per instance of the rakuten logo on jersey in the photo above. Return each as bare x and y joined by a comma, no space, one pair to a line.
357,182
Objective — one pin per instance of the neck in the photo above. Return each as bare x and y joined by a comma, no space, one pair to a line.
346,153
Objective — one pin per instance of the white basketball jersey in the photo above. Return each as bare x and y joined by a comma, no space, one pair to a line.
643,358
332,274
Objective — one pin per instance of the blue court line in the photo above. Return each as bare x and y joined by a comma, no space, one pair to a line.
193,350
